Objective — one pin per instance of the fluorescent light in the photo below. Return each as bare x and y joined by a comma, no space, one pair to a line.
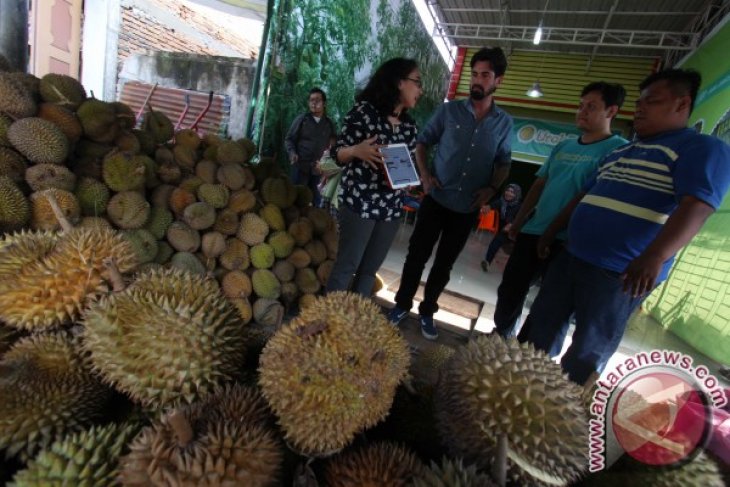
538,34
535,91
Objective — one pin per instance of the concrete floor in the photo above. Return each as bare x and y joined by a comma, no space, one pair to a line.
467,278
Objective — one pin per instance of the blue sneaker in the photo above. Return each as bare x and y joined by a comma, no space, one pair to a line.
428,329
396,315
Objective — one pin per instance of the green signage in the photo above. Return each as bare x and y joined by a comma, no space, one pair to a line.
533,140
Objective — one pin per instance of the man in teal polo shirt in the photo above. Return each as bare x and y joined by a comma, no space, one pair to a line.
471,163
562,176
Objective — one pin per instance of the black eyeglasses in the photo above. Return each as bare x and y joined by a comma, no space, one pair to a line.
418,82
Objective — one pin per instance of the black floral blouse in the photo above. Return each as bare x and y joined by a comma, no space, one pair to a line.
362,189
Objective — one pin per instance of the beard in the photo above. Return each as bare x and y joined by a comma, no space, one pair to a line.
478,93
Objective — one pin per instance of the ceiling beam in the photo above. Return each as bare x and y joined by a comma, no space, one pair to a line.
661,40
603,31
566,12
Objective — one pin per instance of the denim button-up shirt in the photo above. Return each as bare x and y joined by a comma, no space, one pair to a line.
467,151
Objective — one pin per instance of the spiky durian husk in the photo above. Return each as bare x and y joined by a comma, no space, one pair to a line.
375,465
701,471
429,361
332,372
230,446
452,473
87,458
19,249
492,388
47,391
170,336
57,288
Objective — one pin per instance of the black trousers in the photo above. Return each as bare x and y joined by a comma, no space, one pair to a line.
434,221
523,269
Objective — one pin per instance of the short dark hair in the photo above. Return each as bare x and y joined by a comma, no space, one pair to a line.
495,56
320,91
681,82
382,89
611,93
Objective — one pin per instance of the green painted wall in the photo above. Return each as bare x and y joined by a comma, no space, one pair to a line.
336,45
694,303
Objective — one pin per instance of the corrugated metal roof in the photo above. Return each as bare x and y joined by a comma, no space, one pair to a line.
562,77
647,16
171,101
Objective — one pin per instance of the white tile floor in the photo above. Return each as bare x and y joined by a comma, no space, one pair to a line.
467,278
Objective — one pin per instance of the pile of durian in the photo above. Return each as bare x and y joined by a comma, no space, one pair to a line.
162,323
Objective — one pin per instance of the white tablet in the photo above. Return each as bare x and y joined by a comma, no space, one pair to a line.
399,167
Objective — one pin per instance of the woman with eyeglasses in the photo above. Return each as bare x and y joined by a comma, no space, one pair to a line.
369,210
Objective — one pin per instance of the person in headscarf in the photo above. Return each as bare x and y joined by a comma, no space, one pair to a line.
507,205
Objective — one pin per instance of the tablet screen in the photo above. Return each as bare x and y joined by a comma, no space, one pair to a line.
399,166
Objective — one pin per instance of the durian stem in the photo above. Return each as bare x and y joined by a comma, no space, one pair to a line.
181,427
113,274
65,224
499,466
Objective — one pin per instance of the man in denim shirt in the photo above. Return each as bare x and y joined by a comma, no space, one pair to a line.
471,163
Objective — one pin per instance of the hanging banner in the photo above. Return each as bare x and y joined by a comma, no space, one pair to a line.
533,140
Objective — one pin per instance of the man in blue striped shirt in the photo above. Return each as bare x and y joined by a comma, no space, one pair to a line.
647,200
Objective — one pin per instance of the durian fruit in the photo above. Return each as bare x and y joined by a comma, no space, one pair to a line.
188,138
429,362
321,220
307,281
182,237
242,201
159,221
43,217
262,256
244,308
128,210
12,164
185,157
180,199
123,171
236,284
90,457
207,171
228,152
273,217
143,243
216,195
306,300
332,372
231,175
278,191
700,471
94,222
127,142
213,244
170,337
284,270
99,120
46,176
226,222
249,146
191,183
15,209
62,90
164,252
5,122
186,261
157,124
324,270
317,251
48,391
268,312
15,99
491,389
30,81
64,120
147,143
253,229
331,241
452,473
56,289
169,172
161,196
39,140
301,230
380,463
282,243
22,248
236,256
199,215
299,258
93,196
163,155
219,441
265,284
289,293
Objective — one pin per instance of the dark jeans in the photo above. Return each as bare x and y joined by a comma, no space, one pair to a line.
308,179
523,269
494,246
433,221
363,245
601,309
